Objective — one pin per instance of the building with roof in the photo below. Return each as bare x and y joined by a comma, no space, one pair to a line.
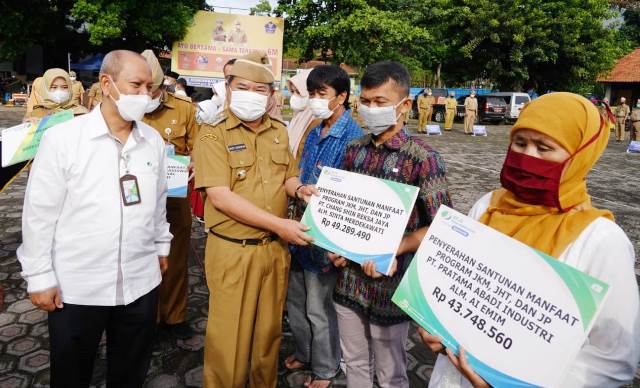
624,79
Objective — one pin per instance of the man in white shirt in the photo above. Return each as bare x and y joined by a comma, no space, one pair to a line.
94,231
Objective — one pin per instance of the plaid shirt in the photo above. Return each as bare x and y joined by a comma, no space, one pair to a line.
403,159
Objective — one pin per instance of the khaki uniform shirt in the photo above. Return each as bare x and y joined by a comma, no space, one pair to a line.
471,104
77,90
622,110
253,163
451,103
635,115
238,37
96,93
177,116
424,101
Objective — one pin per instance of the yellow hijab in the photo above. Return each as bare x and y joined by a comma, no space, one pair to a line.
573,122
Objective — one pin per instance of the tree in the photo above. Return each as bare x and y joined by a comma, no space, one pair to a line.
356,32
263,8
86,26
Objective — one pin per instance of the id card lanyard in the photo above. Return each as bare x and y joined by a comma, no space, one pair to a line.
129,188
171,149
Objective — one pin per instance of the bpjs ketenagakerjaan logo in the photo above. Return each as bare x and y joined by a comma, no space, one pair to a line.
456,223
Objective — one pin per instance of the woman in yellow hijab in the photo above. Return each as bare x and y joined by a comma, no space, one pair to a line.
53,94
544,203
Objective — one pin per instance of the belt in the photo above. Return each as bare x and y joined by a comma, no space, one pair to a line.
246,241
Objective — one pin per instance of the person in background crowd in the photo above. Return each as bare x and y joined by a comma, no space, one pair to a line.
312,277
180,88
174,118
622,113
53,94
371,326
558,219
302,121
77,90
94,95
635,121
470,112
450,105
244,165
94,232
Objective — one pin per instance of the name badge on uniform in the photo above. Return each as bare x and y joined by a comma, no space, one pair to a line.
129,190
236,147
171,149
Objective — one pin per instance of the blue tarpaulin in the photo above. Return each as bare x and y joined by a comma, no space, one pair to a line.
91,64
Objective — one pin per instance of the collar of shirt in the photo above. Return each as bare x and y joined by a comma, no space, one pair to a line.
338,128
233,122
98,126
395,143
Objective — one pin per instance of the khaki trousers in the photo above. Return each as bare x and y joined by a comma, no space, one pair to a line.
448,119
620,123
247,289
469,121
172,296
635,130
422,119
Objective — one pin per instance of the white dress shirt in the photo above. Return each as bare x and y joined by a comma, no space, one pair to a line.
76,232
610,355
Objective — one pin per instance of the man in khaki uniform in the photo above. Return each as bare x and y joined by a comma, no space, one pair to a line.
470,112
451,105
77,90
174,118
95,95
244,165
635,120
622,113
425,109
238,36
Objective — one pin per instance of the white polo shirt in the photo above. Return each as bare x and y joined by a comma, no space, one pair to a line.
76,232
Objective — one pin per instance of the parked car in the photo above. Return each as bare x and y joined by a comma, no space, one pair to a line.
438,109
491,108
515,102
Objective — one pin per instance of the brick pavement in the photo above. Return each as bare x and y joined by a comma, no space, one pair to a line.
473,169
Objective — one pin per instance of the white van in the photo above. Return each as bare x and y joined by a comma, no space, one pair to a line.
515,102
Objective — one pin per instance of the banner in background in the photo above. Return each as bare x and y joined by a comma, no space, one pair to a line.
214,38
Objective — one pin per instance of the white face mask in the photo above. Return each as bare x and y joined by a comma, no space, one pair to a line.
320,108
59,96
379,119
248,106
298,103
73,78
131,107
153,104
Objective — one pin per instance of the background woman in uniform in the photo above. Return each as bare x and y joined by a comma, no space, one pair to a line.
54,95
544,203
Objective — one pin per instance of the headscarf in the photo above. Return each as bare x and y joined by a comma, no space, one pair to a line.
301,120
575,123
42,90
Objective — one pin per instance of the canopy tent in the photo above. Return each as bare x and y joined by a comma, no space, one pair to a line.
91,64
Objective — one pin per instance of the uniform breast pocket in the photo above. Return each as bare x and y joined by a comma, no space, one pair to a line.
242,165
280,159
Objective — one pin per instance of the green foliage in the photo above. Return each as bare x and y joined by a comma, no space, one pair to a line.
520,44
91,25
263,8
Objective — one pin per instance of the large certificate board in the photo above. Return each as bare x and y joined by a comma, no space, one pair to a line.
521,315
21,142
360,217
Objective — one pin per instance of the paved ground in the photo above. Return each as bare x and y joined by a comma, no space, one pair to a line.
473,169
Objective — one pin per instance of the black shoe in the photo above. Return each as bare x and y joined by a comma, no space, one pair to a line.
180,330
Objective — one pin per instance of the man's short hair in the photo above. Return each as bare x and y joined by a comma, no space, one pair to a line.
381,72
112,62
330,75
